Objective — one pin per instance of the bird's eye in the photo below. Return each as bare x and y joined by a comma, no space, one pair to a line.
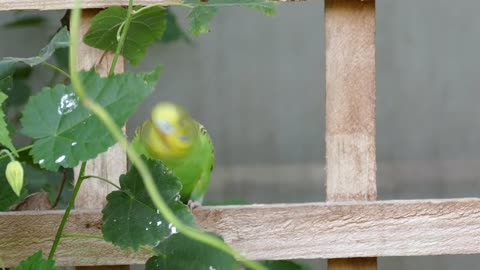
164,126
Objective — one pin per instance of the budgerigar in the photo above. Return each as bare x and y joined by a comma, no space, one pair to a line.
183,145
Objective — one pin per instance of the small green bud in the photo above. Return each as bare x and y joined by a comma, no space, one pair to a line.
14,174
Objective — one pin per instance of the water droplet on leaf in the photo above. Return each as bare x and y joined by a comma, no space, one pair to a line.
172,228
68,103
60,159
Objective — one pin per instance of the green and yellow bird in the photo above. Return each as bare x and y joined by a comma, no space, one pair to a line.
183,145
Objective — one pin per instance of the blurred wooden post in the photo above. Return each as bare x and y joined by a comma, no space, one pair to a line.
111,164
350,108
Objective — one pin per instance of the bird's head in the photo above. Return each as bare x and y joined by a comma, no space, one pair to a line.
175,127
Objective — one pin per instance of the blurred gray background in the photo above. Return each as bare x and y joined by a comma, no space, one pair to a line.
257,84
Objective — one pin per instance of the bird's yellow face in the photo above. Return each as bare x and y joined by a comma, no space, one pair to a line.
175,129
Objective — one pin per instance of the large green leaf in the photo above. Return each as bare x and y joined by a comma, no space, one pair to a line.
130,218
4,134
36,262
65,132
203,11
181,253
147,25
7,64
60,40
7,196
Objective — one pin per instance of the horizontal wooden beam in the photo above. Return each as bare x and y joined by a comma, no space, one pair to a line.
275,231
68,4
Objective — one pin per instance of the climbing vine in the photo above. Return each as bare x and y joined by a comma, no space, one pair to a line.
78,118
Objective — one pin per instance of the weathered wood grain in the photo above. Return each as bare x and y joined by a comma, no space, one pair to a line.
112,163
350,108
277,231
352,264
350,99
68,4
24,233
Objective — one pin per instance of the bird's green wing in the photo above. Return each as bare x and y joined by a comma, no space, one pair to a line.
208,156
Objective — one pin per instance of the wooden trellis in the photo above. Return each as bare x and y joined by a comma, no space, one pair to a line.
351,224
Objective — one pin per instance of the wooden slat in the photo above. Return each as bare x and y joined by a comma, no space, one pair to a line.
352,264
350,100
277,231
112,163
68,4
350,109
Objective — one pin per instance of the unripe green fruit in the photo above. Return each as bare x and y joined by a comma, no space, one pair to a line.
14,174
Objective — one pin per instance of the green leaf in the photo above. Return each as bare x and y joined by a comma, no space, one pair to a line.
267,7
173,32
61,57
181,253
203,12
7,196
130,218
36,262
4,136
19,94
7,64
22,72
60,40
201,17
147,25
27,21
7,69
285,265
65,132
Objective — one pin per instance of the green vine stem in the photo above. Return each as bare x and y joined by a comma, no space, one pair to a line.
102,179
135,158
28,147
59,70
67,211
8,154
123,29
123,37
2,264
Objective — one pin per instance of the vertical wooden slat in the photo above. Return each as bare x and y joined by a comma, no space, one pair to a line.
353,264
111,164
350,108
